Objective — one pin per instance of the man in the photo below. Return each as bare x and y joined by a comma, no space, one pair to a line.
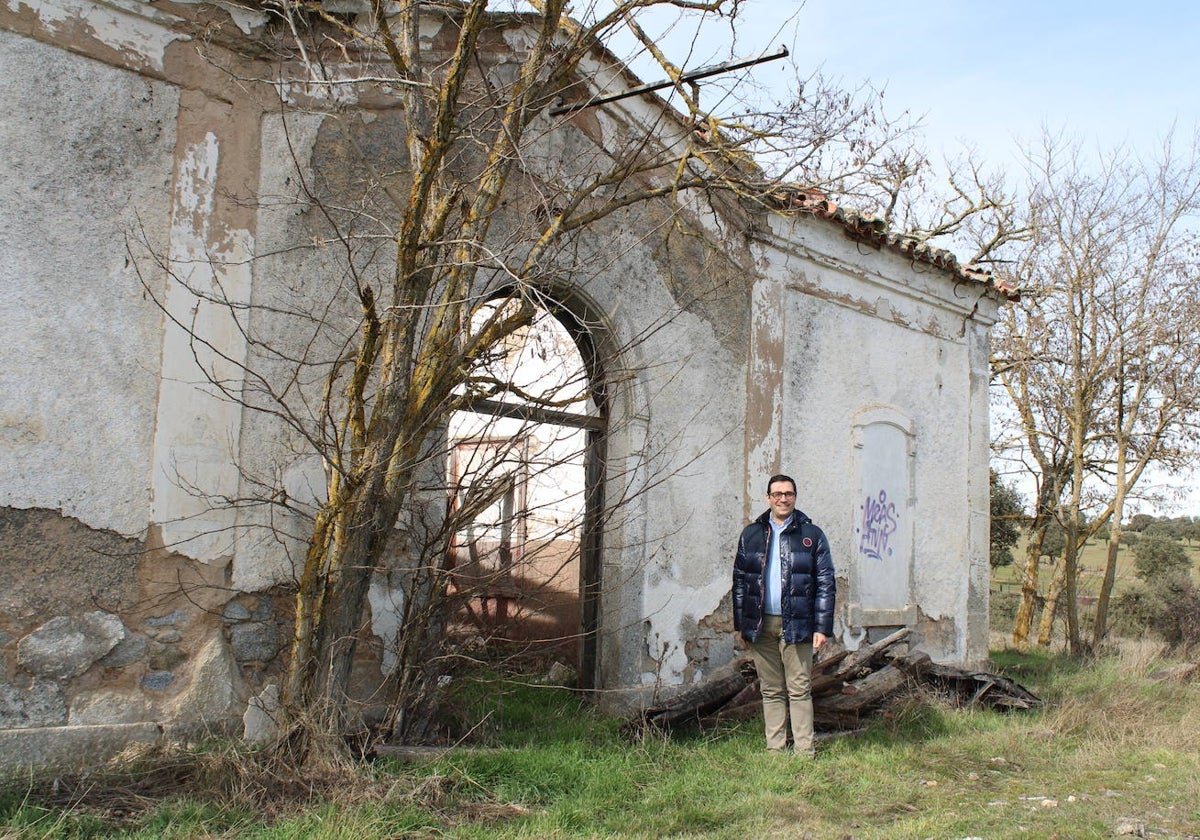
783,597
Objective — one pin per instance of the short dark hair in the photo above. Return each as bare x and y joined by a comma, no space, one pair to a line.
781,477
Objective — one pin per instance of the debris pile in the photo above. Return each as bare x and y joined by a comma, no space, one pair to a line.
848,687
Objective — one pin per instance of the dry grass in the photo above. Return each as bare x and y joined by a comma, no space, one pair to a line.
225,775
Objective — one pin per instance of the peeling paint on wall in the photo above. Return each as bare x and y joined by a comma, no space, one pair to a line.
204,346
141,39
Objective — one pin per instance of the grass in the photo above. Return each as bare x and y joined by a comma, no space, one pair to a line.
1111,748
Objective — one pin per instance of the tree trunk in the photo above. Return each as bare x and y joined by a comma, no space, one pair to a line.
1100,630
1070,581
1050,609
1023,622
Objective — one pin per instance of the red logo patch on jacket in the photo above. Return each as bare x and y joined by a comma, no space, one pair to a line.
807,542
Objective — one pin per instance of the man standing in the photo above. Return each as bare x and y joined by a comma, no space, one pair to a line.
783,598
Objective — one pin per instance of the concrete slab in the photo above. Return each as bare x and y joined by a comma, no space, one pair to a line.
66,748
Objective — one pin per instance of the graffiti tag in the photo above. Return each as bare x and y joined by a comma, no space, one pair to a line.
879,522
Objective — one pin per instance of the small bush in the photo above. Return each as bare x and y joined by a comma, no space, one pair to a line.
1169,608
1160,559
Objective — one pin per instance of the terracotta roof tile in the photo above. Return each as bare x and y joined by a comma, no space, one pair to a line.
873,230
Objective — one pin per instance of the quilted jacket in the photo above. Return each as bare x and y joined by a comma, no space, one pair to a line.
808,588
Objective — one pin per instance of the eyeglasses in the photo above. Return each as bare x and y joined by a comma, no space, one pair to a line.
775,497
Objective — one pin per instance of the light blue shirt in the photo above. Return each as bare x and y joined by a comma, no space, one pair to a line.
771,575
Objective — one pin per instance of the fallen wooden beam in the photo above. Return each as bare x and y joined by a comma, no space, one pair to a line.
847,687
865,694
700,700
975,688
864,660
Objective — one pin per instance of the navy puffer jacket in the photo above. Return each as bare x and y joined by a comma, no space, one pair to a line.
808,588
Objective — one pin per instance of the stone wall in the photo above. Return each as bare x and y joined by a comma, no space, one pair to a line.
98,630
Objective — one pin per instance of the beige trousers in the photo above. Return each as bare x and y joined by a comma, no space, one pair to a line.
784,673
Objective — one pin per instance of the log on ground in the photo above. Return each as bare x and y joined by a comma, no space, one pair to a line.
847,688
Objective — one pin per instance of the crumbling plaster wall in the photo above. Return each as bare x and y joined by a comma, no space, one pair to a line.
115,165
726,363
183,167
865,332
675,455
675,307
89,156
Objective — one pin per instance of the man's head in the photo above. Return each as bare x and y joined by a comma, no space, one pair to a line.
781,496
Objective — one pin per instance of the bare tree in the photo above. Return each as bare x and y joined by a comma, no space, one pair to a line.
1099,361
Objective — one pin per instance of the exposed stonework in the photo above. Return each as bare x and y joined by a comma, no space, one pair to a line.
23,751
109,706
66,646
210,689
254,641
133,648
35,704
154,657
260,723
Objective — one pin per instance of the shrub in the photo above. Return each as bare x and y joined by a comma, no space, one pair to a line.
1169,608
1159,559
1180,619
1004,609
1007,514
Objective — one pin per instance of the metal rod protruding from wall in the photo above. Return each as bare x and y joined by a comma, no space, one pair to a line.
701,73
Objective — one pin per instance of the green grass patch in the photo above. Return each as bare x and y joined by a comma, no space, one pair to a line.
1110,748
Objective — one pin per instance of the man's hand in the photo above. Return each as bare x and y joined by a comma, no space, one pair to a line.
819,641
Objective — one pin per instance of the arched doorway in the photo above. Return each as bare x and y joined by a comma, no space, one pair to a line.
526,474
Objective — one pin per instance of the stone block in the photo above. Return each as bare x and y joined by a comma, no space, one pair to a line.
157,680
64,748
235,612
208,696
264,610
260,723
254,641
109,706
171,619
129,650
162,657
66,646
41,704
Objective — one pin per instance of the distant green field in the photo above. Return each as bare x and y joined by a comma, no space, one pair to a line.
1091,568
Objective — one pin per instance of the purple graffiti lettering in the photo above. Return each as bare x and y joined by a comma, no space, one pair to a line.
879,522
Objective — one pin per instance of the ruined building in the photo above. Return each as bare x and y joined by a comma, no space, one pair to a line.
146,159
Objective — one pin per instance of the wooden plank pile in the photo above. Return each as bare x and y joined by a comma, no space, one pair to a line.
848,687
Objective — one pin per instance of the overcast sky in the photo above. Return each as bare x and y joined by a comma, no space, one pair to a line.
984,74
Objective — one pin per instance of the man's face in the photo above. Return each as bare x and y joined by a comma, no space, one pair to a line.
782,497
